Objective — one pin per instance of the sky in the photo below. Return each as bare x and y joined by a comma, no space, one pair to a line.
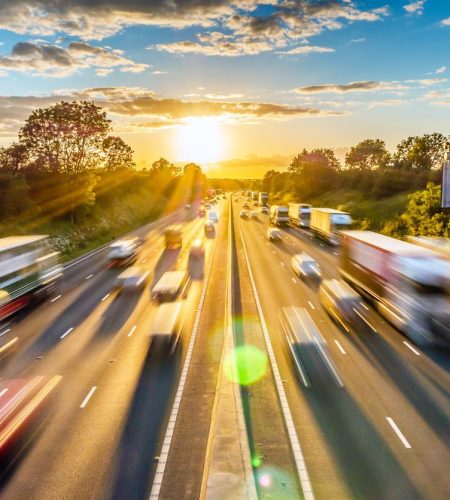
238,87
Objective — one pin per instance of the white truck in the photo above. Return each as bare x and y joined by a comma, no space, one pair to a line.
263,199
279,215
327,222
408,284
300,214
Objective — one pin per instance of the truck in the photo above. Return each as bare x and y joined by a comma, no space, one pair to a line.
255,195
263,199
173,236
300,214
279,215
326,223
409,285
30,270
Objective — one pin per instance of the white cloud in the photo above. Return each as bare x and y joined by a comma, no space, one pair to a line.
307,49
415,7
446,22
441,70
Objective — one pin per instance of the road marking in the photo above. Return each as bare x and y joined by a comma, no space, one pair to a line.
335,253
144,261
311,305
365,320
294,280
4,391
8,344
398,432
409,346
5,332
321,244
282,263
364,305
159,474
106,296
300,463
89,277
56,298
66,333
132,331
88,397
340,347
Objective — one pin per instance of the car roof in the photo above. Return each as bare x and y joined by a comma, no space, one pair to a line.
170,281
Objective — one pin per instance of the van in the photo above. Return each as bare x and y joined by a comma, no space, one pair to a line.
170,286
167,324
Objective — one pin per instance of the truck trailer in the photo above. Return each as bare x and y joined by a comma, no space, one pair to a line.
327,222
408,284
300,214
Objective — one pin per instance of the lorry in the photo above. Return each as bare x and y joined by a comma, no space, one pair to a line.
255,195
170,286
326,223
279,215
300,214
408,284
173,236
29,270
263,199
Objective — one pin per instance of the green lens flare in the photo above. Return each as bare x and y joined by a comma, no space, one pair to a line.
245,365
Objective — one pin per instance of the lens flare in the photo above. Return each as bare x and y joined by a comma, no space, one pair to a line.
245,365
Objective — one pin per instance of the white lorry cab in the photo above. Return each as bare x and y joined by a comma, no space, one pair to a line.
300,214
326,223
279,215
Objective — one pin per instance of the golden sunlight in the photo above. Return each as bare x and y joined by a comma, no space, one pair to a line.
200,140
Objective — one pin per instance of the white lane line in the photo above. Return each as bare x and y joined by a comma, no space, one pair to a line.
273,251
144,261
56,298
89,277
321,244
88,397
8,344
311,305
398,432
409,346
335,253
364,305
132,331
340,347
5,332
3,391
159,474
300,463
66,333
294,280
106,296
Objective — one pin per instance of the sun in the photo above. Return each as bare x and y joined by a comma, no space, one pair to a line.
200,140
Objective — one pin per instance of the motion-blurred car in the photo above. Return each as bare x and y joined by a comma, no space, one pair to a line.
201,212
246,205
123,252
170,286
173,236
167,325
197,249
209,227
212,216
255,203
305,266
273,234
343,303
208,206
187,206
265,210
133,278
253,214
243,214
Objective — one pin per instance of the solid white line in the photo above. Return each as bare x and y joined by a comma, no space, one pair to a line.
409,346
66,333
132,331
398,432
159,474
311,305
294,280
364,305
4,391
8,344
335,253
56,298
89,277
292,432
5,332
106,296
88,397
340,347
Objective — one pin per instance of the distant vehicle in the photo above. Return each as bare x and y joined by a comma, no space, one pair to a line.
263,199
279,215
208,206
253,214
327,222
255,203
300,214
187,206
212,216
273,234
265,210
343,304
173,237
202,203
209,227
133,278
29,270
246,205
409,285
305,266
255,195
123,252
201,212
243,214
197,249
167,325
170,286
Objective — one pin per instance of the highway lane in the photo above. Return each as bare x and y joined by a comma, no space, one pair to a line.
349,443
104,350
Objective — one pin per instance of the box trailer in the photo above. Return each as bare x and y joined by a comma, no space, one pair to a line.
327,222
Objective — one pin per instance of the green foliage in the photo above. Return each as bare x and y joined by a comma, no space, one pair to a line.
14,195
420,153
117,154
369,154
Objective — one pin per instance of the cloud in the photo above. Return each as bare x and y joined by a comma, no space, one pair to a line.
358,40
387,102
307,49
159,72
40,59
446,22
441,70
339,88
415,7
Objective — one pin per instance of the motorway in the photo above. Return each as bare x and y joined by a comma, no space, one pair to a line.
129,422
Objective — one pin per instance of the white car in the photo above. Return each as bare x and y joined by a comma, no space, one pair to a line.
134,278
243,214
305,266
253,214
212,216
273,234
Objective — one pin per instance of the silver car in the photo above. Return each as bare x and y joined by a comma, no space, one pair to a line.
305,266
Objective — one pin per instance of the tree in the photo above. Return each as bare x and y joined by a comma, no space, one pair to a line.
164,166
66,137
369,154
117,154
317,158
14,192
421,153
424,215
14,158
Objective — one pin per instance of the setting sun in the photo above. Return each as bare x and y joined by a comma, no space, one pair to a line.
201,140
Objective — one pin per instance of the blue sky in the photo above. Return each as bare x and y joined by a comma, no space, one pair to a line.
273,75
